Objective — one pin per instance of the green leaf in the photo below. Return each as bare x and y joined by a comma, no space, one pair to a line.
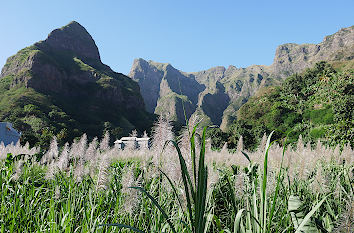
307,218
157,205
238,220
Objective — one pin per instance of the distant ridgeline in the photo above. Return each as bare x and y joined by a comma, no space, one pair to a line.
217,93
59,87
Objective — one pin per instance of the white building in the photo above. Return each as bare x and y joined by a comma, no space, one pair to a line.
133,143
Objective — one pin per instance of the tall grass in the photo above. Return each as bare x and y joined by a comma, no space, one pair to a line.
84,187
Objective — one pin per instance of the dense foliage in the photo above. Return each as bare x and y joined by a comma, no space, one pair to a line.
318,104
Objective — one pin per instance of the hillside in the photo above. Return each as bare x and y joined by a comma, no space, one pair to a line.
318,104
60,87
217,93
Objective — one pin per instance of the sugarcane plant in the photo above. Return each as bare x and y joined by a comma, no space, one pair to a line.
195,217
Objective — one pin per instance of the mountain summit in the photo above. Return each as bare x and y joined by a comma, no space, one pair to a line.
73,38
59,87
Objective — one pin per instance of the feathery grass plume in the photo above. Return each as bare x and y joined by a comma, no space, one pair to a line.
319,183
134,133
271,182
145,135
171,168
79,170
338,188
131,196
63,161
57,193
208,146
276,152
336,154
17,149
239,185
82,146
18,169
53,152
224,149
78,152
51,170
104,144
262,143
300,144
347,155
213,178
78,148
103,172
161,132
91,152
240,145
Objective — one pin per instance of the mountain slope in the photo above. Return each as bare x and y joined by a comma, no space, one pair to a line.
318,104
60,87
220,91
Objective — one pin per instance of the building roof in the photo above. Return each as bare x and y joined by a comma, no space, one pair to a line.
128,139
143,139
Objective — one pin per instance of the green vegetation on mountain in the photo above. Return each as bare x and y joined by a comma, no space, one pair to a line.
318,104
59,87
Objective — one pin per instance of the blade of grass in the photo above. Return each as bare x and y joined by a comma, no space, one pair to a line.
264,184
201,188
309,215
275,197
186,183
157,205
238,220
246,155
193,154
173,188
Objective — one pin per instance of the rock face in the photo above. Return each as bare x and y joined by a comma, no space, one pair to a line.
291,58
164,88
217,93
73,38
67,69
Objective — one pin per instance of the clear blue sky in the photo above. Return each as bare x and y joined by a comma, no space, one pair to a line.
191,35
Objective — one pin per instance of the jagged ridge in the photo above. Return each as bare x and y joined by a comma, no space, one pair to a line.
220,91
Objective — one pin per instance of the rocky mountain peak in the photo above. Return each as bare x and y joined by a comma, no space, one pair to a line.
290,58
73,38
64,74
216,94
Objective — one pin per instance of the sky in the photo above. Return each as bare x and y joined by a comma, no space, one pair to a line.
191,35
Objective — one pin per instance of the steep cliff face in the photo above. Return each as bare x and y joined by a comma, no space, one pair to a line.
224,90
66,70
165,88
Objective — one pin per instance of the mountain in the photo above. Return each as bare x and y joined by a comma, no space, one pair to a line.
60,87
216,94
317,104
